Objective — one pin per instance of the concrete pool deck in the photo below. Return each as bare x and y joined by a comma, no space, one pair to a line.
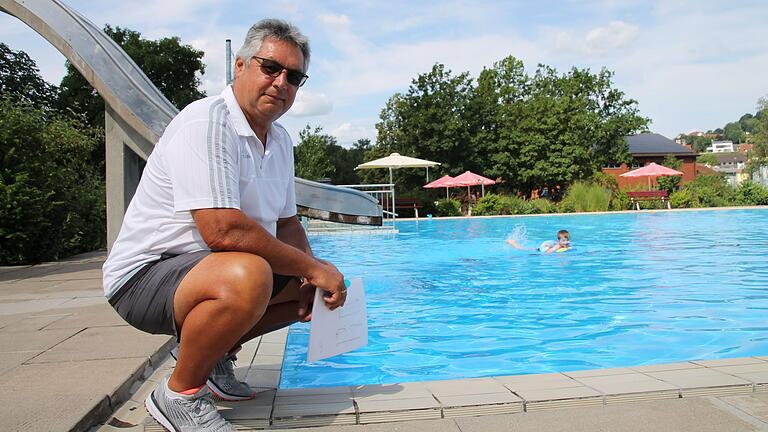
68,362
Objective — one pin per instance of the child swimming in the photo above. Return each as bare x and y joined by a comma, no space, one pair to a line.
562,244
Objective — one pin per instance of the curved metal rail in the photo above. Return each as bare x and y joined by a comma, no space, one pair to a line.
142,112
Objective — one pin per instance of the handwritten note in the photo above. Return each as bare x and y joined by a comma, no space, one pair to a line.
344,329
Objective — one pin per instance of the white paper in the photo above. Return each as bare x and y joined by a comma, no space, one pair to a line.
344,329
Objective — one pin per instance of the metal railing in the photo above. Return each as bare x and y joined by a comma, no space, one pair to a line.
384,193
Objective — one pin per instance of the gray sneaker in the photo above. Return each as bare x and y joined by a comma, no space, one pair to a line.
186,413
222,380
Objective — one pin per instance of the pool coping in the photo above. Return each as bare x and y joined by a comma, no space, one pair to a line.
260,365
641,211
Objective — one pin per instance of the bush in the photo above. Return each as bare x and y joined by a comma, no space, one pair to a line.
517,206
705,191
585,197
51,198
604,180
542,206
683,198
448,207
620,201
490,205
749,193
669,183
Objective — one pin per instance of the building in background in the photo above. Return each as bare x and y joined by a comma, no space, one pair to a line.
721,147
731,166
651,147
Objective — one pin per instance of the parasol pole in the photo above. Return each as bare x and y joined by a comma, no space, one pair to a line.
393,193
482,189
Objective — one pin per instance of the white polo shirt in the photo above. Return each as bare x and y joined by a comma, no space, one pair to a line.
208,157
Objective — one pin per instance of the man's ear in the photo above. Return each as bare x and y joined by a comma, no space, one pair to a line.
239,66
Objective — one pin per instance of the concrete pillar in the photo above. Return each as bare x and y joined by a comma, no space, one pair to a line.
126,153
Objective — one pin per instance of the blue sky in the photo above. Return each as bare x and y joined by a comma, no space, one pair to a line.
691,65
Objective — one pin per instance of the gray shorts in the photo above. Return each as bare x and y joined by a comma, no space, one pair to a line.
146,300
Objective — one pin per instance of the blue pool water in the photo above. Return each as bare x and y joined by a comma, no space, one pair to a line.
447,299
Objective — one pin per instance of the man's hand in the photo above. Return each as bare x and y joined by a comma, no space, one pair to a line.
327,277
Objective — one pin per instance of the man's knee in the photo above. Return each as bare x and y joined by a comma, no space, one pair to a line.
239,281
247,281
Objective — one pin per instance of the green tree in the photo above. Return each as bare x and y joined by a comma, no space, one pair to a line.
699,143
20,80
346,160
670,183
552,129
759,155
172,66
429,121
733,132
51,198
312,154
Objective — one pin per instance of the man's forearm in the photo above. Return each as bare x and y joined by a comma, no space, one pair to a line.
290,231
229,230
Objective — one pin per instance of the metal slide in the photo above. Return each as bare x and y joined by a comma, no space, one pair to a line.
136,103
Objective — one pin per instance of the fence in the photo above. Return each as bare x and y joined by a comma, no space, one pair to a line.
384,193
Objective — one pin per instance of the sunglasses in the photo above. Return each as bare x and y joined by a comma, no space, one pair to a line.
274,69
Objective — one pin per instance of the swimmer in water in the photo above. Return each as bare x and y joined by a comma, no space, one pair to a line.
562,244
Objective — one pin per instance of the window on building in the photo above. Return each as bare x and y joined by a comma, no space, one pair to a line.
612,165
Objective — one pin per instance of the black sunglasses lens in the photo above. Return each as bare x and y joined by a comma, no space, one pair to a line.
271,68
294,78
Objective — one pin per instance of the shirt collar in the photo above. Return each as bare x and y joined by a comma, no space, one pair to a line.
236,113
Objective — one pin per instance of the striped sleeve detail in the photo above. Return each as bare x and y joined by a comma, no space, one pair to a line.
219,162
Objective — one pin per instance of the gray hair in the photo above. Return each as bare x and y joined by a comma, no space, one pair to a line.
275,29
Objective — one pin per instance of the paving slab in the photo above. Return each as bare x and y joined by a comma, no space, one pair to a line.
755,405
98,315
681,415
104,343
270,348
707,381
666,367
445,425
12,360
517,383
27,306
730,361
474,386
63,396
31,323
34,340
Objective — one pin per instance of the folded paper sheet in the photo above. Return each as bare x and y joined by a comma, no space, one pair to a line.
339,331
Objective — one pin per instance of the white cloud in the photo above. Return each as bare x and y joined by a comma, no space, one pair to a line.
338,30
598,41
347,133
309,104
334,20
391,68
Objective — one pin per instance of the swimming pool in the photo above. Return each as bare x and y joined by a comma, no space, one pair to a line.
448,300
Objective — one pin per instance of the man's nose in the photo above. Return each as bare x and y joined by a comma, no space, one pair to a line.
281,80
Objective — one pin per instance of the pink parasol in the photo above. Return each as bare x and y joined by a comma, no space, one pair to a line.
651,170
471,179
444,181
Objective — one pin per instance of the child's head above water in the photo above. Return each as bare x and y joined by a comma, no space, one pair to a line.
564,237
